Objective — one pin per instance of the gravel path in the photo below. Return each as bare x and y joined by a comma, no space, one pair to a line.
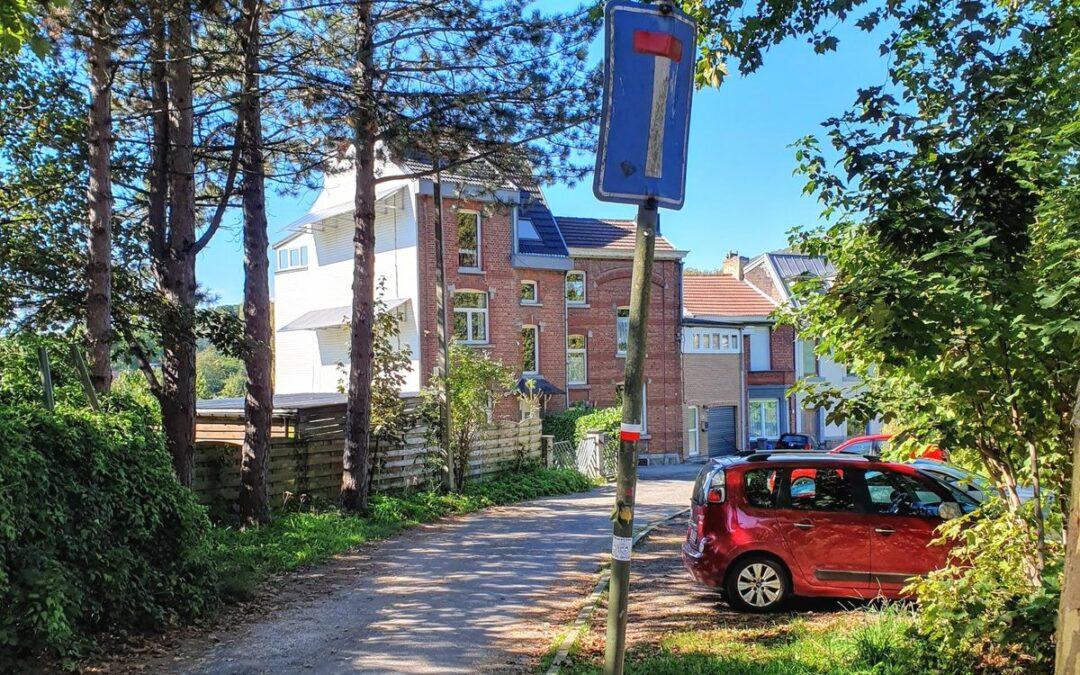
462,596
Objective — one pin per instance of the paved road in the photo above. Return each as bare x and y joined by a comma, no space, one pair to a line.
438,599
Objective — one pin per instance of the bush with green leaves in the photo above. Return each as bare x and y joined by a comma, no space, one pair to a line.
985,605
96,535
563,426
604,420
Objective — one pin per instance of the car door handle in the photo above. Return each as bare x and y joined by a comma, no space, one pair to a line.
804,525
884,530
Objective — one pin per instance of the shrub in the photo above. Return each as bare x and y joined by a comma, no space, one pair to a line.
563,425
984,605
95,533
605,420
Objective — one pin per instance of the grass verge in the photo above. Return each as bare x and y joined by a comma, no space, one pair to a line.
870,642
296,539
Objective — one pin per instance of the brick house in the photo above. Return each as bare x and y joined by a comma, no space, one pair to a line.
540,294
737,363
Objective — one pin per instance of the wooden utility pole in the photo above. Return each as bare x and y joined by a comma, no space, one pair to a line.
629,435
442,358
1068,628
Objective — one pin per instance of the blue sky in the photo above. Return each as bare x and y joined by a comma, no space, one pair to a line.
741,194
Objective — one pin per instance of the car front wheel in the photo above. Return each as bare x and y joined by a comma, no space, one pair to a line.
757,584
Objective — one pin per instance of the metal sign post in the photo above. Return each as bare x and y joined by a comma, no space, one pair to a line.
648,87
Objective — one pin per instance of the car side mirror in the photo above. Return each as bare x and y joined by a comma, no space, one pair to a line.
949,510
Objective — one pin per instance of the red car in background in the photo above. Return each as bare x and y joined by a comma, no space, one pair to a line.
877,444
769,525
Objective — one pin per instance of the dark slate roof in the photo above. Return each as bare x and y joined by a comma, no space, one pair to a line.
791,265
540,386
551,241
488,173
603,233
282,402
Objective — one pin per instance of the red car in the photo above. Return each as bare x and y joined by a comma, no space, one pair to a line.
766,526
875,445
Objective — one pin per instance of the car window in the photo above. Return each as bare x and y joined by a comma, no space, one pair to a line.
898,494
762,487
820,490
860,448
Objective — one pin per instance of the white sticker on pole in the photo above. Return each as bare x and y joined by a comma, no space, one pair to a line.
630,432
620,548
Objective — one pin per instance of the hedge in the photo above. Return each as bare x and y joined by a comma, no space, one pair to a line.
96,535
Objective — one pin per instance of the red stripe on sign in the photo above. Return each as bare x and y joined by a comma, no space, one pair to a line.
631,436
658,44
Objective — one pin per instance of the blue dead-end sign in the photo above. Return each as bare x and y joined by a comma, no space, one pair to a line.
650,51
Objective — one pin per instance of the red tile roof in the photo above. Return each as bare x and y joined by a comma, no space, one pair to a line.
723,295
603,233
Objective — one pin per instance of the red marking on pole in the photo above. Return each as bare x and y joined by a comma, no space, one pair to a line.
630,432
658,44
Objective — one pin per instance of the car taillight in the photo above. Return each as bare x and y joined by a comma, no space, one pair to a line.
717,490
807,447
700,527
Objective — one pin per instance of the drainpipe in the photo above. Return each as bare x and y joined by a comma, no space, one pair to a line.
744,396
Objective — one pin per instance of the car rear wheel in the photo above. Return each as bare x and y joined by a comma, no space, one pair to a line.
757,584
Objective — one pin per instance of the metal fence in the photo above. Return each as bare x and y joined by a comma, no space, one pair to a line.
594,456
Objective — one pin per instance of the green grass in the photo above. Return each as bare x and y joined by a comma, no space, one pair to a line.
871,642
292,540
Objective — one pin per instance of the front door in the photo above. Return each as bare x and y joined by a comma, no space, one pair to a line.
904,510
692,434
824,528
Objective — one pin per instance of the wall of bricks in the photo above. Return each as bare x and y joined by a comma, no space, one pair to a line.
607,289
760,278
501,282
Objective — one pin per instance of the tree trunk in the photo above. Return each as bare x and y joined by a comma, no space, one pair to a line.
259,404
100,200
355,480
177,273
1068,635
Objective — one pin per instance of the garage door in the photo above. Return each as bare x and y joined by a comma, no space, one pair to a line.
722,430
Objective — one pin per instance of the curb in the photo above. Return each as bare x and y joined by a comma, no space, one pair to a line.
593,601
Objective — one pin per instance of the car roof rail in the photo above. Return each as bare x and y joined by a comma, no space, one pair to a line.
760,455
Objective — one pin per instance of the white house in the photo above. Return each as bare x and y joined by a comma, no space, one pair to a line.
774,274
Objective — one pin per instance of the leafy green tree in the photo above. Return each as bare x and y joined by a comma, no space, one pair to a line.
391,362
43,200
218,375
477,384
18,25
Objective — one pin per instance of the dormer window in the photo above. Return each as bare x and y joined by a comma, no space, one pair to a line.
295,258
526,230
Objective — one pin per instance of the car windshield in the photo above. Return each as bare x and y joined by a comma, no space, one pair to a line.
966,501
962,479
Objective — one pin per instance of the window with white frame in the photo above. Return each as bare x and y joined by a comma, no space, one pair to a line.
622,330
530,350
471,317
577,360
760,356
809,358
292,258
468,240
711,341
575,288
529,294
764,418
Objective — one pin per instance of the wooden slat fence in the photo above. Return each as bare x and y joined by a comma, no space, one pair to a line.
307,445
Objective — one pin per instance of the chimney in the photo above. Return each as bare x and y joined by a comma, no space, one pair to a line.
733,265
